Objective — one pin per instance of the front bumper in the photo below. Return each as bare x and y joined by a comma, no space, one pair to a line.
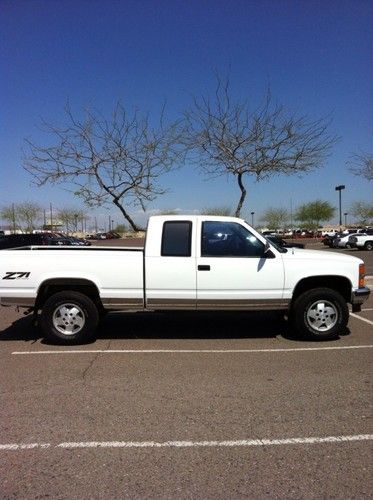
358,297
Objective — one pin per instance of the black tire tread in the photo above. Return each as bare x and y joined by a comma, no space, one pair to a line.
299,307
91,320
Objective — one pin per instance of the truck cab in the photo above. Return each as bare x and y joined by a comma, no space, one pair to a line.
210,263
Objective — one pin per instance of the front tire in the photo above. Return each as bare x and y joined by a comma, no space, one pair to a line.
69,318
368,245
320,314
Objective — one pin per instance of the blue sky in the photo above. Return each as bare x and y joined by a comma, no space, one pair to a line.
316,55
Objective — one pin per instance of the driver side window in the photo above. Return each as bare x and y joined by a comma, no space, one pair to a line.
229,239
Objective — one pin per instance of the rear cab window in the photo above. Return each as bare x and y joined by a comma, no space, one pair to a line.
176,239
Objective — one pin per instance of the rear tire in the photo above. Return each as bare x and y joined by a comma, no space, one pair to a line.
368,245
69,318
319,314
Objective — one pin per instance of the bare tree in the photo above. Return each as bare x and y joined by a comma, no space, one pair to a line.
71,217
118,160
22,215
362,165
223,210
29,213
10,214
230,139
363,212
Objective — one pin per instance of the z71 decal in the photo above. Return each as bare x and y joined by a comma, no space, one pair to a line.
16,275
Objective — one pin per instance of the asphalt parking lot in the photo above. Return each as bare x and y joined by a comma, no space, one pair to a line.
187,406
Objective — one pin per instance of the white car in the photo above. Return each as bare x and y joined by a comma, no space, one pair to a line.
343,241
362,241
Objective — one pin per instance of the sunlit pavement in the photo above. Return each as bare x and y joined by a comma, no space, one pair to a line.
189,406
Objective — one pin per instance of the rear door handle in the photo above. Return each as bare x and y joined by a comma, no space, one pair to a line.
203,268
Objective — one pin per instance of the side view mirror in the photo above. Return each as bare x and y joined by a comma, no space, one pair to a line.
268,254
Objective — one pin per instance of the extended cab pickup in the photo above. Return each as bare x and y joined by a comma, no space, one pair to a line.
189,263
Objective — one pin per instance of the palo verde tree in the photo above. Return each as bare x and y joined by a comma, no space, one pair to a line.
118,160
311,215
276,218
230,138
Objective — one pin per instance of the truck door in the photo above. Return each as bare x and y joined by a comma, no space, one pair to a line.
171,269
233,270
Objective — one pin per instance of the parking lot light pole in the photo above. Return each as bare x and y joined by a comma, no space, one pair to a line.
345,214
252,218
76,222
340,188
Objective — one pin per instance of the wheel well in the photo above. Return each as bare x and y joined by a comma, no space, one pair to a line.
337,283
55,285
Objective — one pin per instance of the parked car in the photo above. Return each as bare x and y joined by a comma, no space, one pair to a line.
280,242
31,239
330,233
112,235
104,236
328,239
354,231
79,241
362,241
342,240
332,241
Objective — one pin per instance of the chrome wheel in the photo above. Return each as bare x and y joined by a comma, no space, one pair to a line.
68,319
322,315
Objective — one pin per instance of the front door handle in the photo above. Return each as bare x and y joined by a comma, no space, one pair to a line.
203,268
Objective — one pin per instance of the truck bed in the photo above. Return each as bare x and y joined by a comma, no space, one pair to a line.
118,272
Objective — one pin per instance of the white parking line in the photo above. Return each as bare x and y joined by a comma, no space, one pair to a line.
188,444
361,319
192,351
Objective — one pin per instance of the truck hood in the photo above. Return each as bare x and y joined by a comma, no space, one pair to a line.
320,255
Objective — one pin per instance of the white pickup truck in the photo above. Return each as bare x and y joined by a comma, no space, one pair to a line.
189,263
362,241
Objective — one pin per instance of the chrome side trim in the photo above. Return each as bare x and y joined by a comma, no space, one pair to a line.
128,304
244,304
123,304
222,305
172,304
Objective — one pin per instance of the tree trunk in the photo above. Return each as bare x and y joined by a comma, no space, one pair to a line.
127,216
242,197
